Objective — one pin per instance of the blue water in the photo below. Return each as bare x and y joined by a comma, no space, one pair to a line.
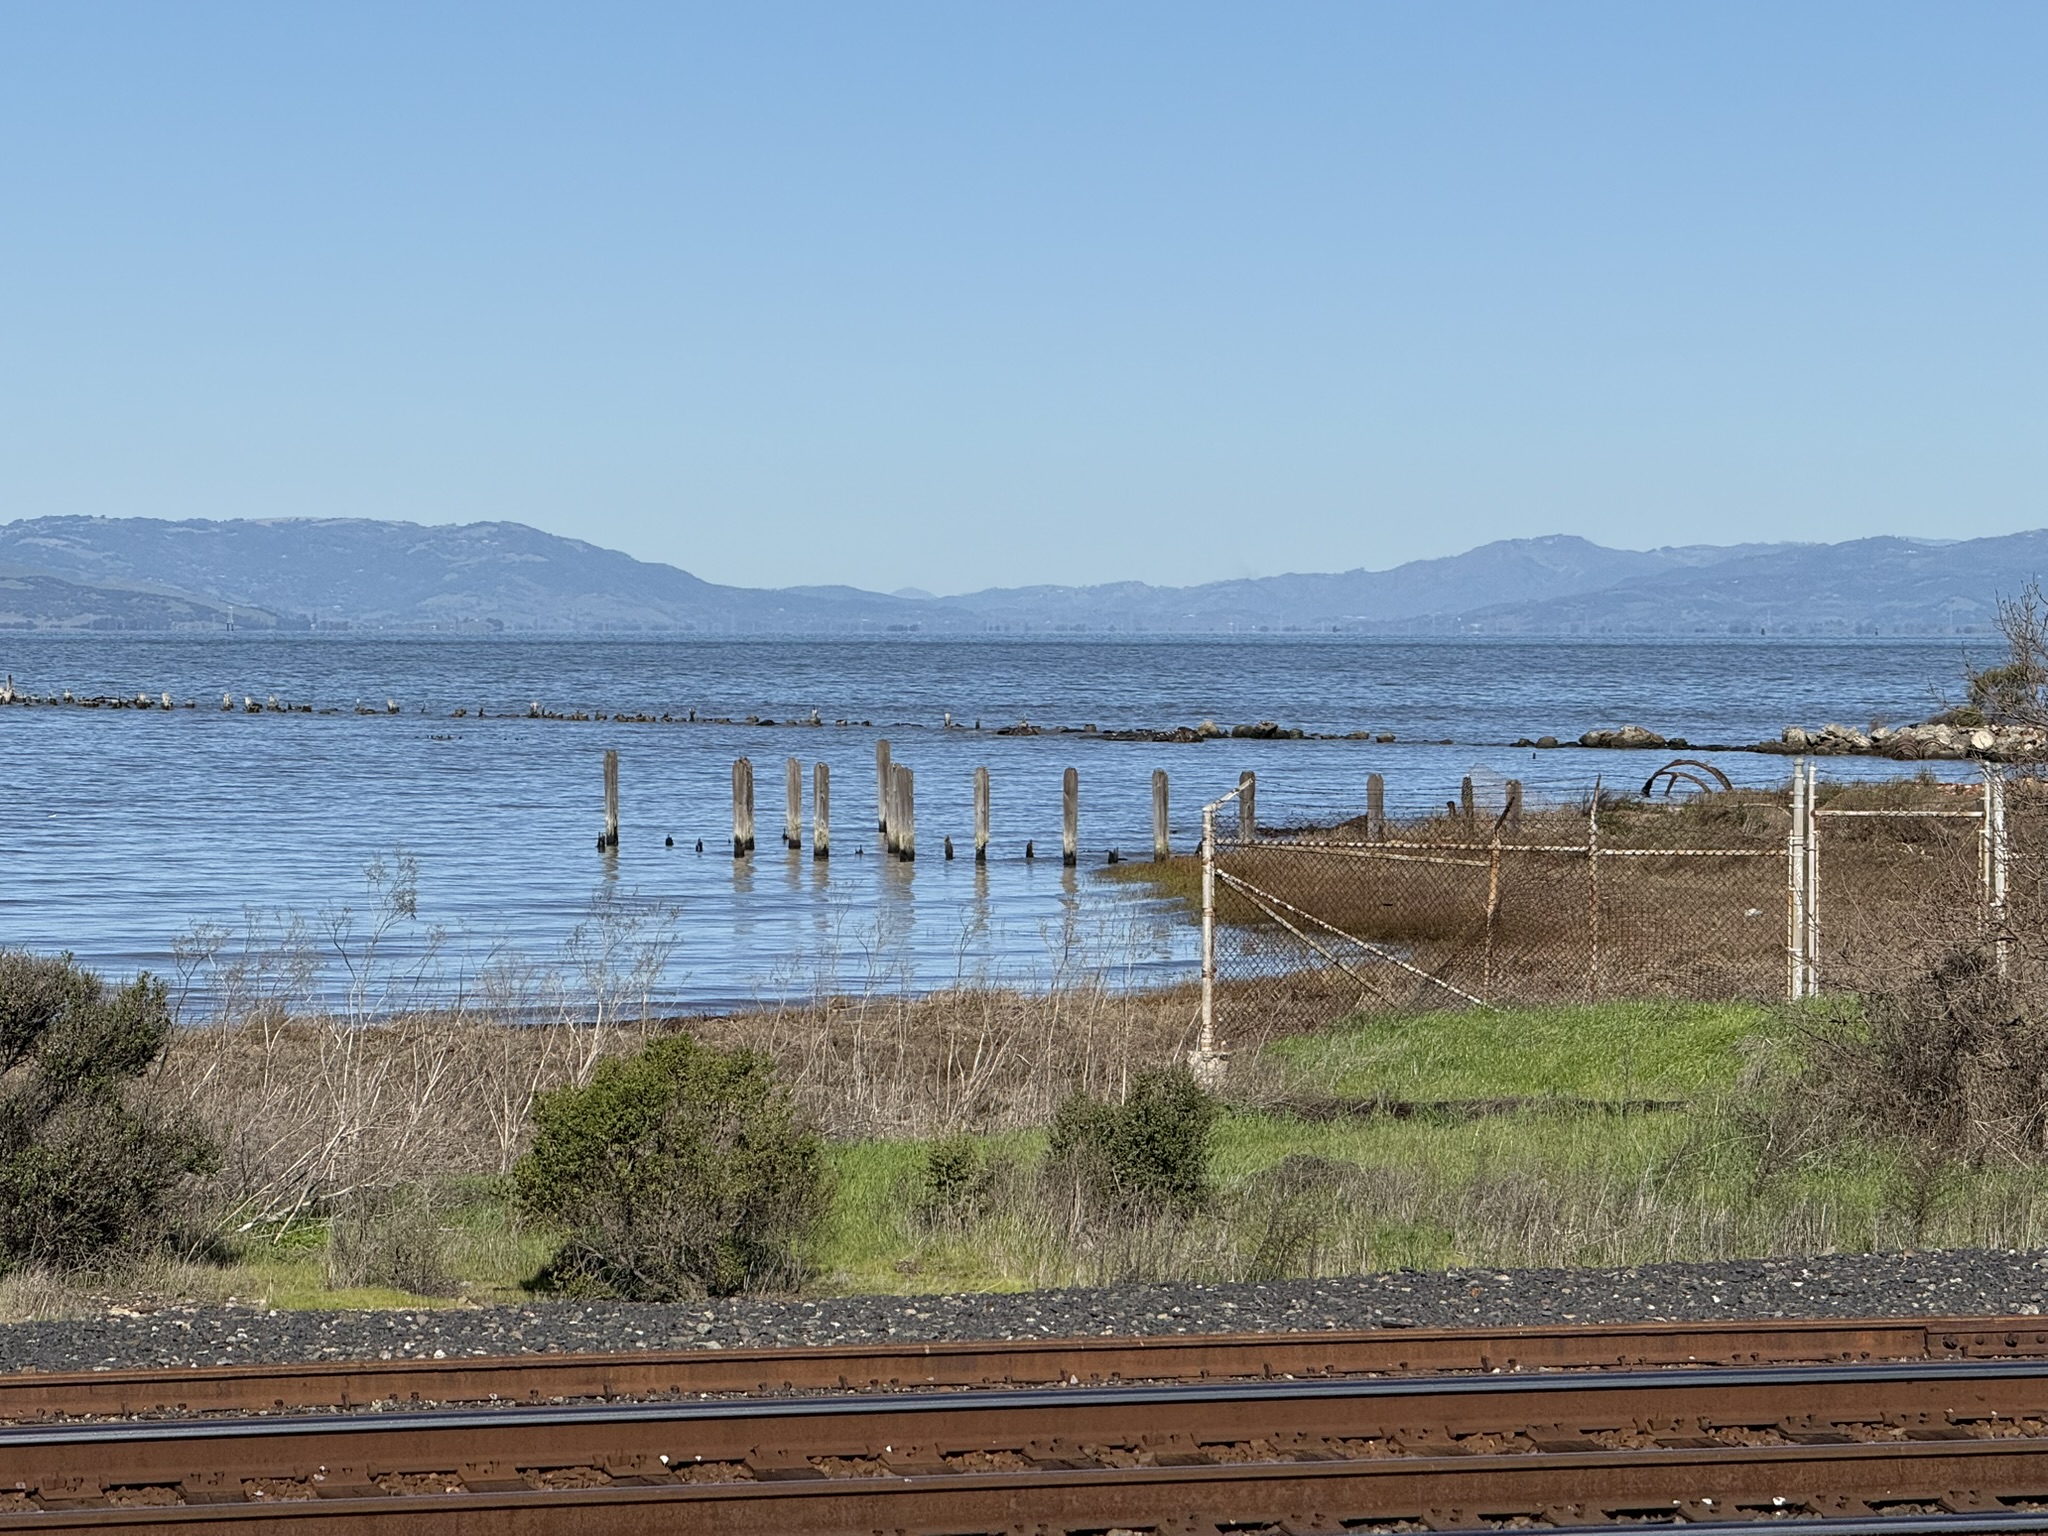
124,830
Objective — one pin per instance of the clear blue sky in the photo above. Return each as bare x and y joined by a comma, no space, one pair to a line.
961,295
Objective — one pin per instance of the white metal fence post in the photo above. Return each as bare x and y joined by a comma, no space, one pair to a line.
1995,851
1205,1060
1593,893
1815,914
1812,880
1795,888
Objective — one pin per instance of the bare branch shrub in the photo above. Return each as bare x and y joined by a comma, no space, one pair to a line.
394,1239
2014,692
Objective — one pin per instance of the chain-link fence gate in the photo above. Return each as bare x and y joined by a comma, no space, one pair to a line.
1714,897
1882,877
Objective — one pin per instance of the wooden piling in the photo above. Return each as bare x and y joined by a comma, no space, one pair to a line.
1247,806
750,802
611,798
821,811
906,815
1070,817
793,804
1162,837
981,815
1376,808
1513,816
739,803
1465,799
882,789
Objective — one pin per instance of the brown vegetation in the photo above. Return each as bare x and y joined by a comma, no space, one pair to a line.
311,1112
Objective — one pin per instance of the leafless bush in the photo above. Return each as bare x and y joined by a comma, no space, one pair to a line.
394,1239
1951,1066
310,1111
2013,691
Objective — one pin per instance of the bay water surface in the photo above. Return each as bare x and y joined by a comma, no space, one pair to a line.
126,831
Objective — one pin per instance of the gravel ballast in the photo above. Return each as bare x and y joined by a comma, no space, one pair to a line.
1944,1283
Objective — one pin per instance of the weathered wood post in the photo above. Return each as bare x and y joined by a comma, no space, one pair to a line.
906,815
750,802
1465,799
611,799
1162,838
1376,808
821,810
1514,810
1247,806
740,801
882,789
793,808
1070,817
981,815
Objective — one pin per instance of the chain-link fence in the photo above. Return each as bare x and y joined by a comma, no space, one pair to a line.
1716,896
1892,874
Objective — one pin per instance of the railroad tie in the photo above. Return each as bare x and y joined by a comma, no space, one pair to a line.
491,1477
636,1471
1059,1455
346,1483
70,1493
914,1460
212,1488
778,1464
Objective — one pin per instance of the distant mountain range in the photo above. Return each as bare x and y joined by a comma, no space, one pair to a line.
357,573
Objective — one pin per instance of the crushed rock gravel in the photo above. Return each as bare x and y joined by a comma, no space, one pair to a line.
1954,1282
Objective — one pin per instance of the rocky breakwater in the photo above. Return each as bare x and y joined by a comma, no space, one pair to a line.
1948,740
1933,739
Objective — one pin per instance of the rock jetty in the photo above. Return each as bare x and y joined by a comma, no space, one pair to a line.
1931,740
1934,739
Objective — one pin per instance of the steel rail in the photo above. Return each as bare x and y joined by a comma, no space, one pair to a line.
1532,1440
1876,1489
1716,1386
1026,1362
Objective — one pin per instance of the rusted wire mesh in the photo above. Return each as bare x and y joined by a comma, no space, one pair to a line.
1598,900
1902,878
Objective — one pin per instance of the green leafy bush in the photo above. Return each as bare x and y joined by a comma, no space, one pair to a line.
681,1170
1149,1153
89,1166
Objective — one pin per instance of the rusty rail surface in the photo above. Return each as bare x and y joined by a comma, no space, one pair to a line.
1893,1445
1027,1362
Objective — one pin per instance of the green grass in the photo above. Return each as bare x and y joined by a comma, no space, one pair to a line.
491,1253
875,1240
1610,1051
1563,1166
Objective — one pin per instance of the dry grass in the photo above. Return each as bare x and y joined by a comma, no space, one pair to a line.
313,1112
41,1295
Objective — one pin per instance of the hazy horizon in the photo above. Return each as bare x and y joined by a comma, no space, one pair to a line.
922,595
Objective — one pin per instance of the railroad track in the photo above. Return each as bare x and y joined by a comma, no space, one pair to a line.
1853,1426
